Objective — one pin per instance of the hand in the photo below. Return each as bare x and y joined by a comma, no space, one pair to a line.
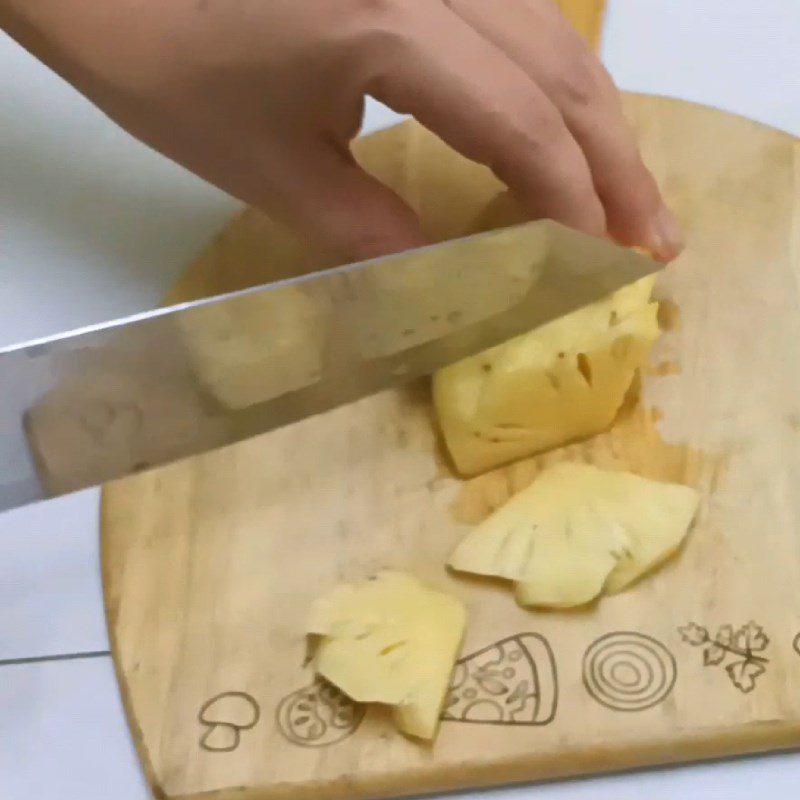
262,98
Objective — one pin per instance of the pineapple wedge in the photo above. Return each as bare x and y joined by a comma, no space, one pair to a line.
390,640
578,531
563,381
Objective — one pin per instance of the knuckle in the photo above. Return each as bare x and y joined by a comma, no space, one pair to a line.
573,172
379,33
631,186
586,83
605,83
534,132
371,7
377,15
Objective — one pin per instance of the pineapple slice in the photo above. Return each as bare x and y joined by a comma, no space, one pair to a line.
390,640
563,381
578,531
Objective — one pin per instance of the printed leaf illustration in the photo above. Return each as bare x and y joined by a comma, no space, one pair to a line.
738,648
744,674
694,634
751,638
714,654
724,636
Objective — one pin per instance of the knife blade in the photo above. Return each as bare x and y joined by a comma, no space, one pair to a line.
106,401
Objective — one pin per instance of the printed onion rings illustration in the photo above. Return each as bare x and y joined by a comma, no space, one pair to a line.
628,671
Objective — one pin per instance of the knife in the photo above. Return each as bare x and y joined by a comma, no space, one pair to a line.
106,401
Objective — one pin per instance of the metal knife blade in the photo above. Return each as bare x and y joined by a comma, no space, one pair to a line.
110,400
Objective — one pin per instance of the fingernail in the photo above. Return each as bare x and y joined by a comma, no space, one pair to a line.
666,237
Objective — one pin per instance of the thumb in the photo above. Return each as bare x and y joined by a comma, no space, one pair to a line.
334,200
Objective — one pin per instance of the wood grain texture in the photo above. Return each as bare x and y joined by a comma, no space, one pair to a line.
210,565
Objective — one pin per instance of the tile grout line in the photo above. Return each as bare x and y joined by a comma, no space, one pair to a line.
8,662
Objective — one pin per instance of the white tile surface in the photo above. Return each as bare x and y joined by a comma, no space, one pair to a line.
63,735
94,225
50,595
777,775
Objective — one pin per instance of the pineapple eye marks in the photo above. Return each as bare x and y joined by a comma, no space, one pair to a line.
578,532
390,640
561,382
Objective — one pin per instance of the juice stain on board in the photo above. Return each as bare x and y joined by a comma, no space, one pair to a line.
632,444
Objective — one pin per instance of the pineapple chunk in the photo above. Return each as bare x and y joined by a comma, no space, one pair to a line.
563,381
390,640
578,531
257,347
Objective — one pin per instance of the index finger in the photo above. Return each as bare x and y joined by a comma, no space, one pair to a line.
578,85
486,107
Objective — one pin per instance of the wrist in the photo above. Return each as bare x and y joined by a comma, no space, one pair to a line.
81,40
42,28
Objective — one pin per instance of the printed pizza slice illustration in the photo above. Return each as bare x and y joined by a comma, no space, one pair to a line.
511,682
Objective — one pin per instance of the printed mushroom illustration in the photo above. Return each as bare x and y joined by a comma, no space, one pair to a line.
225,716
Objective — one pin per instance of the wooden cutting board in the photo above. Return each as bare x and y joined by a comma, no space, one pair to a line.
210,565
